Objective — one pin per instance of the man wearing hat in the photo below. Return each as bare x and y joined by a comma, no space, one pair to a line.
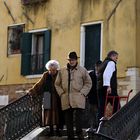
73,83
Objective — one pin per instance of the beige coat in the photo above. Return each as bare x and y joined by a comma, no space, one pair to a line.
80,85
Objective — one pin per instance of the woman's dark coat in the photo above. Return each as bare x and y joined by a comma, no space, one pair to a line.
53,116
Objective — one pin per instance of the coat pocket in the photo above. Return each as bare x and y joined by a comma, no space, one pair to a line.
77,100
64,100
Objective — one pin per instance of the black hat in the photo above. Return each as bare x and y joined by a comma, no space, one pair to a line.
73,55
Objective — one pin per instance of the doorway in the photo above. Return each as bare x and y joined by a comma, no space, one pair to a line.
91,43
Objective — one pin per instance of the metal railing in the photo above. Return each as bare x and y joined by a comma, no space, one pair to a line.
20,117
124,125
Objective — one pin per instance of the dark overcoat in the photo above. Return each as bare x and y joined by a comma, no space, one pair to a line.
92,96
53,116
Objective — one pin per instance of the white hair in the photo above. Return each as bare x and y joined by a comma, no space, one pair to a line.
52,63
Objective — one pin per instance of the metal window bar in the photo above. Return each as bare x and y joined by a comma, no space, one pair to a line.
37,64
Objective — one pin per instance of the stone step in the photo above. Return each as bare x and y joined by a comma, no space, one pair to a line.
42,134
34,134
57,138
52,138
124,83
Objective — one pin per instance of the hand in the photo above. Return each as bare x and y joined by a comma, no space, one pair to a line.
28,92
83,94
108,90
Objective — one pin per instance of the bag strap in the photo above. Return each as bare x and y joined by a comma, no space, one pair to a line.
69,77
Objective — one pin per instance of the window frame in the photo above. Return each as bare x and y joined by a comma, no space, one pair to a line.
40,31
13,25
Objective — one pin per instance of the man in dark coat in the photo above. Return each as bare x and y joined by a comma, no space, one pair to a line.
93,97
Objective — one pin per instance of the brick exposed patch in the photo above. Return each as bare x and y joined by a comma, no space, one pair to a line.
14,91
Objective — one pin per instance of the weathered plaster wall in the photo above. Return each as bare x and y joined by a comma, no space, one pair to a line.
64,18
138,33
119,31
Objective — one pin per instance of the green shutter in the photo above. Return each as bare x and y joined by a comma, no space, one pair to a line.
26,40
47,46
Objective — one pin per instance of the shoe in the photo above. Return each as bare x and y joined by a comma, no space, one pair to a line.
70,138
90,130
50,134
58,133
80,137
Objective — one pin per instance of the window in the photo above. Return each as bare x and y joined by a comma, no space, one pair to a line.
14,35
35,52
37,64
27,2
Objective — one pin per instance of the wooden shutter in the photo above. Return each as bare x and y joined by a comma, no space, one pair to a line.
47,46
26,40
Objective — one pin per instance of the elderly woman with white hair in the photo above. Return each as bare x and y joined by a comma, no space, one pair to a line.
53,115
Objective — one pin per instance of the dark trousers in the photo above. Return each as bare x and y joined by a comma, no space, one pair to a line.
101,102
102,98
93,112
70,119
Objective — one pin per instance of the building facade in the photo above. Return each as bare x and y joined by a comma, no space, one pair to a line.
33,32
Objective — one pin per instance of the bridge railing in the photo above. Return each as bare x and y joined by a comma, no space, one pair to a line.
123,125
20,117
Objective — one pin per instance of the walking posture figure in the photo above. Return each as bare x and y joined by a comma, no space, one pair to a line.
73,83
107,81
93,97
52,111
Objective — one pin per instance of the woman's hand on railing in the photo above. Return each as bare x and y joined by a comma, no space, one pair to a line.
29,93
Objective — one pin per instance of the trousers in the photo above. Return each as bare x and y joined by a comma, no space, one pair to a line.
73,117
